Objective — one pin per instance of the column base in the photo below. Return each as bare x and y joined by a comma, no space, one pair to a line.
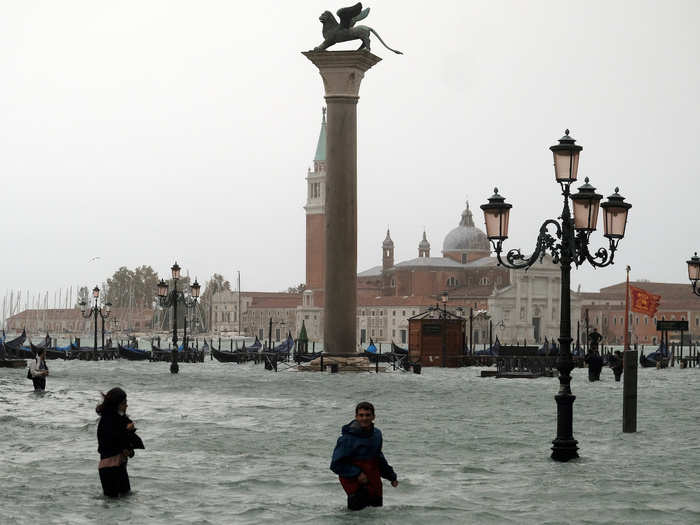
564,449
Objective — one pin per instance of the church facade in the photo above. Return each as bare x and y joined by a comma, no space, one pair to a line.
517,305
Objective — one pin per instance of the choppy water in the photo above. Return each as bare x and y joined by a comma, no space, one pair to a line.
233,443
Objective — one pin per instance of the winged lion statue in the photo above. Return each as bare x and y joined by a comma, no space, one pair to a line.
334,32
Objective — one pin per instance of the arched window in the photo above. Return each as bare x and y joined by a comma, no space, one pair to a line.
451,282
484,281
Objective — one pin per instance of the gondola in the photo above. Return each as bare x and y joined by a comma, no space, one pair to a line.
397,353
398,350
234,356
51,353
286,346
224,356
160,354
254,348
59,352
658,358
133,354
13,348
306,358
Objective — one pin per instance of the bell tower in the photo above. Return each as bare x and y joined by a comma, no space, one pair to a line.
387,252
424,247
315,214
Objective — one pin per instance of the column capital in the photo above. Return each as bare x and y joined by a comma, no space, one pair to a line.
342,71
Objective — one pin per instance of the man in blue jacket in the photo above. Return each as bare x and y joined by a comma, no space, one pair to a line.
359,462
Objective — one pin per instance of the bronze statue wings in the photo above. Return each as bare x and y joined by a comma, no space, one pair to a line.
349,16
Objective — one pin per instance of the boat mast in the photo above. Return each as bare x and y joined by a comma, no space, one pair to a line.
239,303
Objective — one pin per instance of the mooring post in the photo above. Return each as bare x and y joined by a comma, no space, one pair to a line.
321,362
376,364
629,391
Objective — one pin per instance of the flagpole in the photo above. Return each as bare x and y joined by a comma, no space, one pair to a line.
627,312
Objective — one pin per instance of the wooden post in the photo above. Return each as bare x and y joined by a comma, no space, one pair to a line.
629,391
376,368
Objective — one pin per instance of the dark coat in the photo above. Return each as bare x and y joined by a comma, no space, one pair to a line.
356,444
113,437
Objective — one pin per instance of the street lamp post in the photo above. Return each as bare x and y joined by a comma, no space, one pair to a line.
190,303
171,298
94,311
694,272
443,298
569,244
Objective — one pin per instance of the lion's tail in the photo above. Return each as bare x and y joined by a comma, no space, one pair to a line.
384,43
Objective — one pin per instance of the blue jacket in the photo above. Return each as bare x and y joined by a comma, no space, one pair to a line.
356,443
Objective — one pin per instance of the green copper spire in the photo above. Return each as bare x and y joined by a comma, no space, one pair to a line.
321,146
302,333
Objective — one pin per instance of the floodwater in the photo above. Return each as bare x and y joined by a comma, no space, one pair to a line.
229,443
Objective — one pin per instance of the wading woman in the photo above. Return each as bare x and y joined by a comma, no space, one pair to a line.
116,440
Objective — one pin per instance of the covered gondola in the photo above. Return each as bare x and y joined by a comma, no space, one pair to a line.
224,356
13,348
59,352
373,355
254,348
659,358
133,354
285,346
398,350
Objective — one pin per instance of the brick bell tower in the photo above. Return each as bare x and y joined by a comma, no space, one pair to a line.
315,214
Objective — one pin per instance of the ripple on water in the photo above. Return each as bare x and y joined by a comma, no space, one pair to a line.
237,444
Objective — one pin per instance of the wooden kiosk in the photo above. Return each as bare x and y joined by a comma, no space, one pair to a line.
436,338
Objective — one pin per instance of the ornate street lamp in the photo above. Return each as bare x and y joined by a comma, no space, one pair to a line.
694,272
172,298
568,244
94,311
443,297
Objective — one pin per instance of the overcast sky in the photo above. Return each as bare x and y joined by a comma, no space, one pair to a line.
142,132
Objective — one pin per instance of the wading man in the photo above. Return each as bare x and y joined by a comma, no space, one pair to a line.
359,462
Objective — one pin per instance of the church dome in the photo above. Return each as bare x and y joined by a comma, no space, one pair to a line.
466,236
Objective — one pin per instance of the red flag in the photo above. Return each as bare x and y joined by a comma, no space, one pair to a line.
643,302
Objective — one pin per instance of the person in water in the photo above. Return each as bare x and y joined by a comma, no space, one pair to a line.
359,462
38,371
595,364
116,439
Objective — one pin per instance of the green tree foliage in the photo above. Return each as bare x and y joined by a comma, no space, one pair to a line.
83,295
297,289
136,288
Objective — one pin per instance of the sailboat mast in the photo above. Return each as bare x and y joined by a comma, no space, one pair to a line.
239,303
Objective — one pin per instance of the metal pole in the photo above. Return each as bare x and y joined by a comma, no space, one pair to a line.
629,391
471,329
444,335
184,333
94,311
103,332
174,368
626,340
564,445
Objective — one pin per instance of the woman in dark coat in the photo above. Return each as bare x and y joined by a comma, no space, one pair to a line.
116,440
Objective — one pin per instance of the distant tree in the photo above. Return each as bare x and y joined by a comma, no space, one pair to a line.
297,289
83,295
214,285
145,286
136,287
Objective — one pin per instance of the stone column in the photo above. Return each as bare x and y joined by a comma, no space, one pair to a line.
342,73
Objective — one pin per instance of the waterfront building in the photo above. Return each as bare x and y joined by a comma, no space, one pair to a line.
55,321
606,313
